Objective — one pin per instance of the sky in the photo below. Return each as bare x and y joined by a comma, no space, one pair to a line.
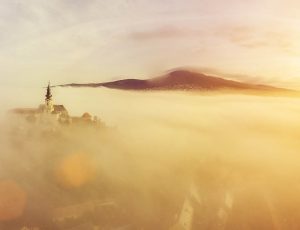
69,41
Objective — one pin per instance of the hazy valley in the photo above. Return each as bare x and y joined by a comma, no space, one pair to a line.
231,153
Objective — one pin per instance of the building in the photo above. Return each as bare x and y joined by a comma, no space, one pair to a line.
53,113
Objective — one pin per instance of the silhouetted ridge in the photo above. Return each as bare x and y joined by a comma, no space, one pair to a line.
127,84
179,80
182,79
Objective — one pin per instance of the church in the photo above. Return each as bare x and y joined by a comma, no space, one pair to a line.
53,113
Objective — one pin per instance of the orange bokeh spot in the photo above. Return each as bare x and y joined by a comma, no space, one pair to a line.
12,200
74,170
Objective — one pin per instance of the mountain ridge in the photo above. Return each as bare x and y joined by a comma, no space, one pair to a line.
179,80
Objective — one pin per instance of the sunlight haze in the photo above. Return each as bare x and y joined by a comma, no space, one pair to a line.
92,41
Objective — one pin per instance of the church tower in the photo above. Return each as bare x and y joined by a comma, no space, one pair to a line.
48,100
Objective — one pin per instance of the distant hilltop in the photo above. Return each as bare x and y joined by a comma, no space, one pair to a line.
180,80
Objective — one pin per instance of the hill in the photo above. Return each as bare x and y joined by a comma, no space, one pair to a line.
180,80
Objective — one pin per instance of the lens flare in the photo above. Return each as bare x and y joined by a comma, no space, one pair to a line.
12,200
74,170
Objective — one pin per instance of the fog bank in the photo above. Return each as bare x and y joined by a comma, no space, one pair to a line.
237,155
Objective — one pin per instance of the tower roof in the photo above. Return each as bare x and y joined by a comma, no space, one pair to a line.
48,94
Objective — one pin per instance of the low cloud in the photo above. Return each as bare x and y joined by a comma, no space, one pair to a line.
259,38
164,32
237,152
253,79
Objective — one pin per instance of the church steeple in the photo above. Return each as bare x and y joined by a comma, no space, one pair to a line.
48,100
48,94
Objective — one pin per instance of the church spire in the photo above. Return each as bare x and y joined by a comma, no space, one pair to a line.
48,94
49,108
